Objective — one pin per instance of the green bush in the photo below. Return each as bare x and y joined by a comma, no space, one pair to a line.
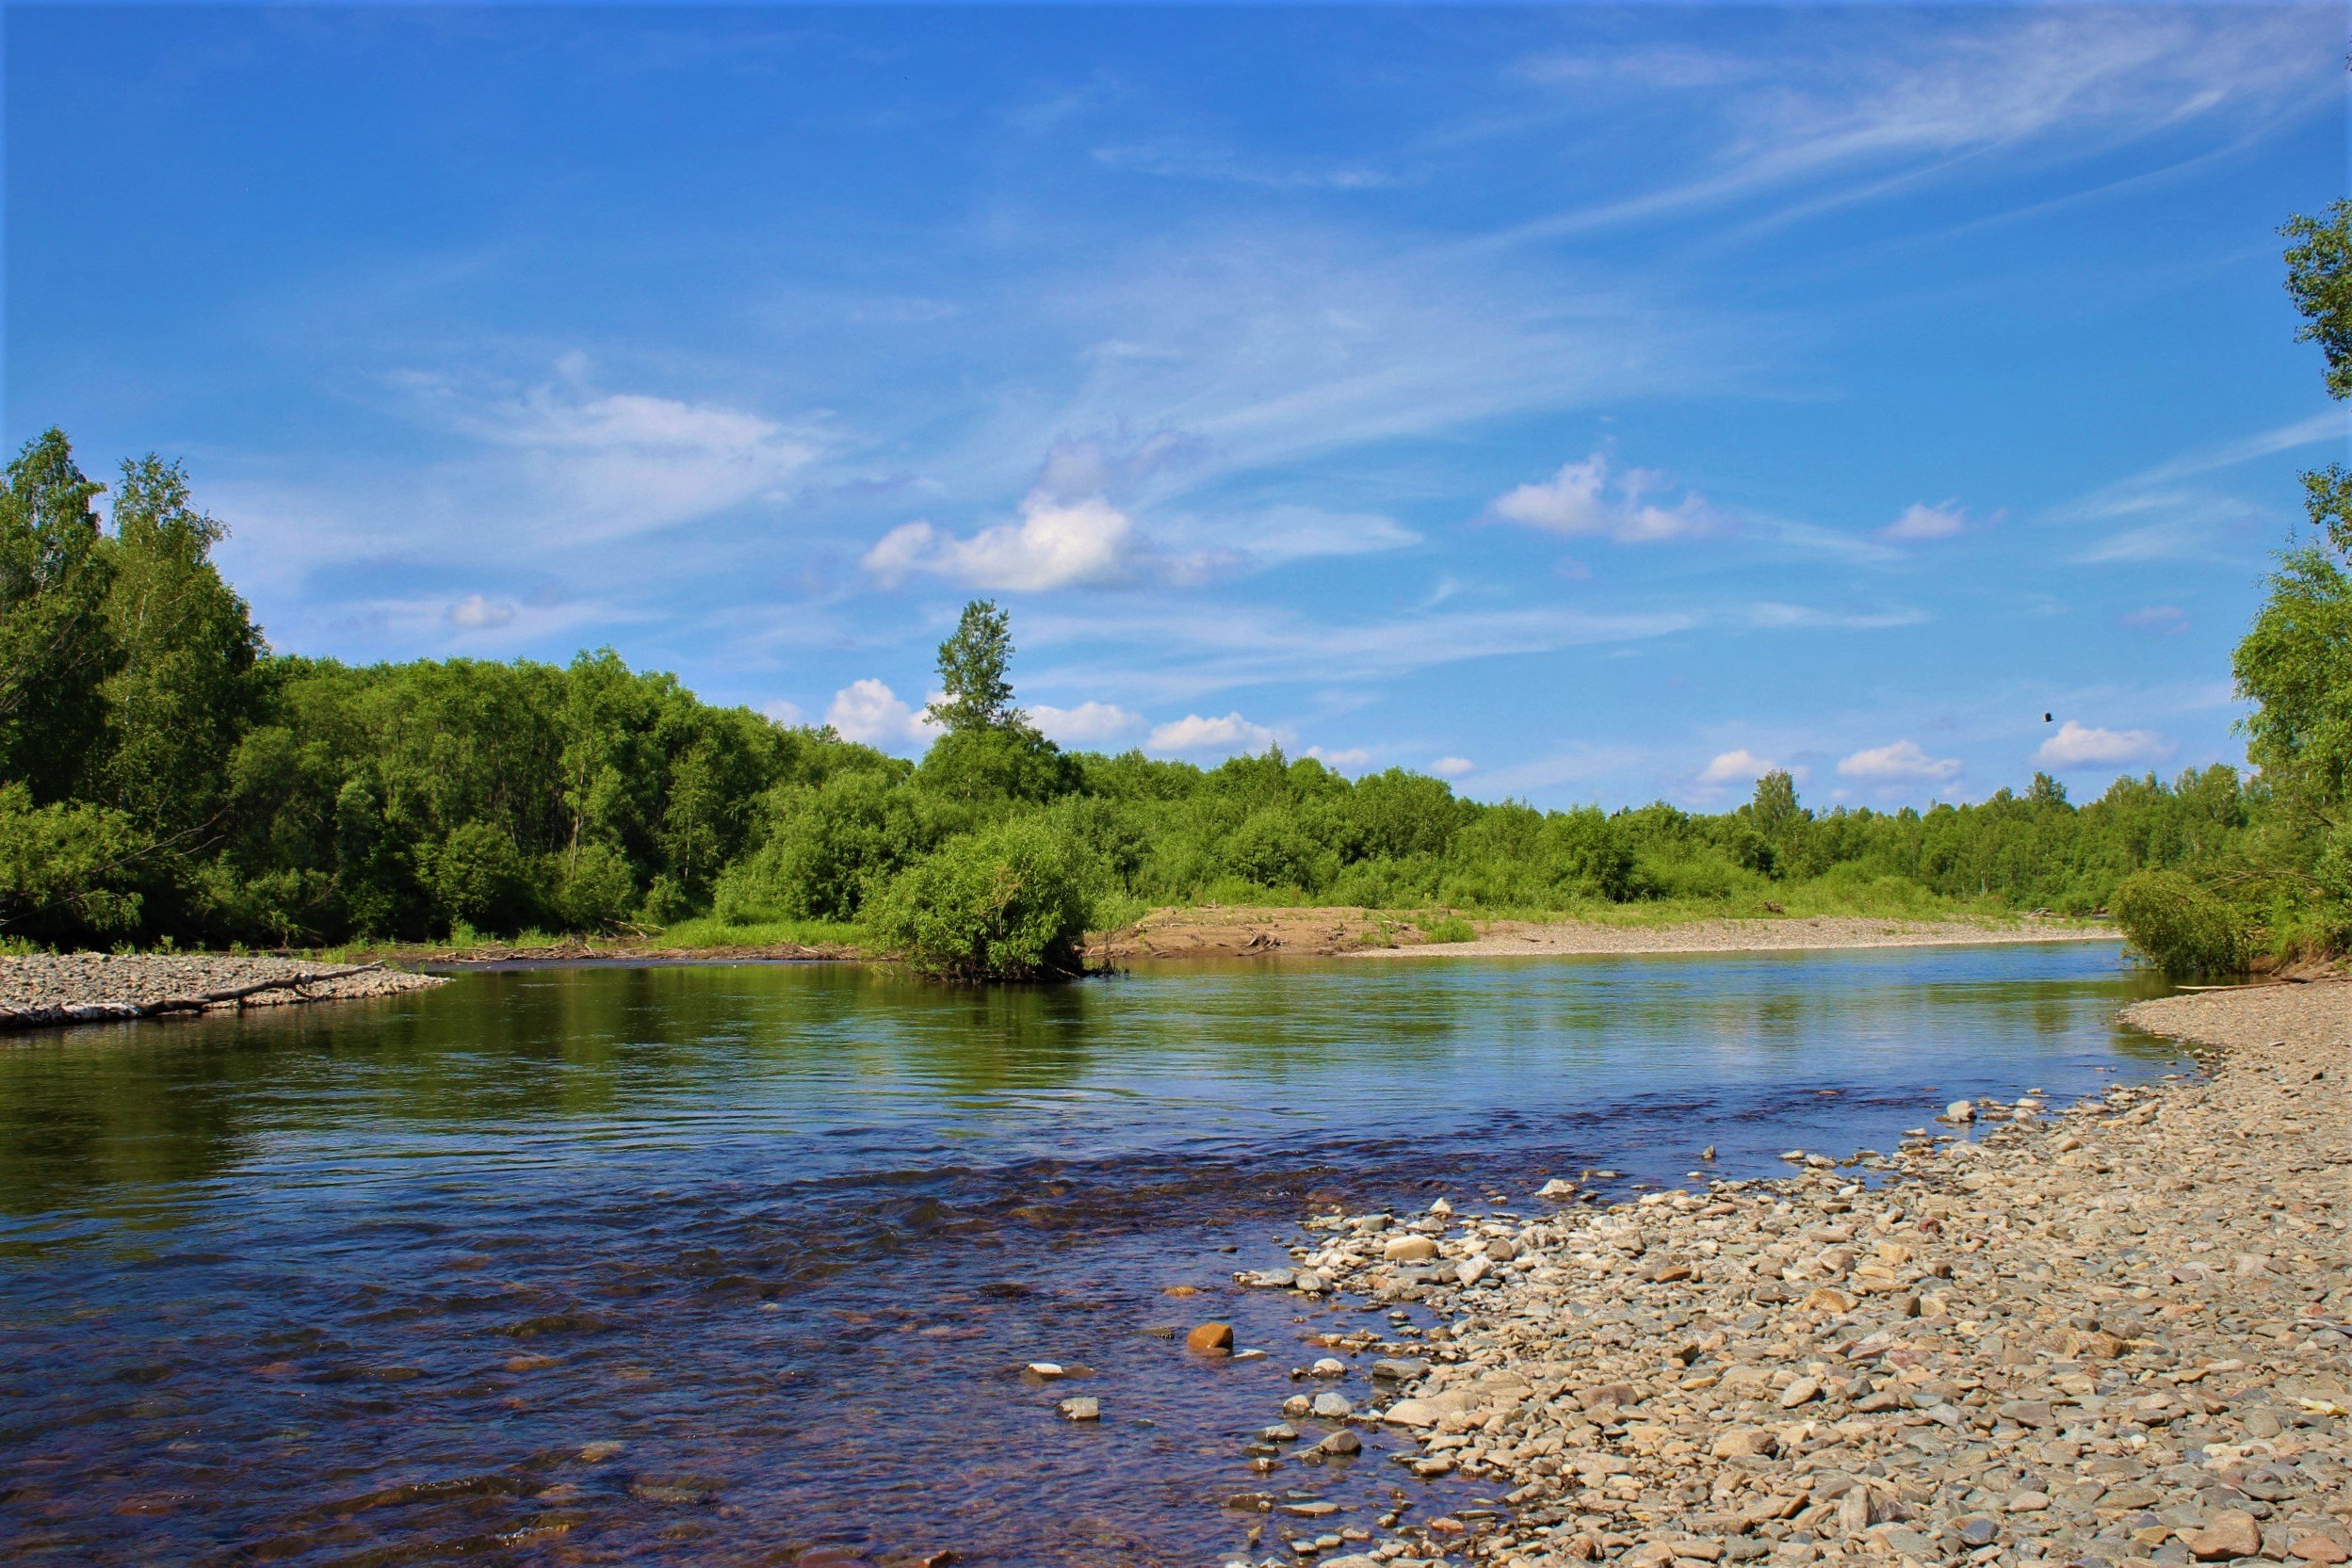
2179,925
1011,903
1451,928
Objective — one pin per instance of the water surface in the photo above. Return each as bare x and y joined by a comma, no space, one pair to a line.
739,1264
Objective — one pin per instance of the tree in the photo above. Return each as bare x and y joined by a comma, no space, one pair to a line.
183,691
978,692
54,649
2295,661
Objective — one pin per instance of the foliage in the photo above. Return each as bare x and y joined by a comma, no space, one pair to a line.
1451,928
2319,278
1011,903
2179,925
978,692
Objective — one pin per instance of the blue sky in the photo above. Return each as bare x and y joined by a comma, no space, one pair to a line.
1586,404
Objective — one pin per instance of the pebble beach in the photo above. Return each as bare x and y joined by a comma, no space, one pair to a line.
2111,1333
39,990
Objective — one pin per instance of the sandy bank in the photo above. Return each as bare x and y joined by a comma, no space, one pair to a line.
2110,1334
1784,933
73,988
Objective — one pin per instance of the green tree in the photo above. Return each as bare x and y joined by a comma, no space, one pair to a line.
54,652
183,691
977,690
1009,903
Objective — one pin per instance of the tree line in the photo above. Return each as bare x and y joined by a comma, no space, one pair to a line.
165,776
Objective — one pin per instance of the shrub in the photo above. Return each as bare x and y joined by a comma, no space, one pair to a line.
1011,903
480,881
1451,928
2179,925
597,889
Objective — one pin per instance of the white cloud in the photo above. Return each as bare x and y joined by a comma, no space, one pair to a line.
870,713
1348,756
1902,760
1232,732
1452,767
604,466
1738,767
1581,498
782,712
1920,521
2165,620
475,613
1057,544
2079,746
1089,723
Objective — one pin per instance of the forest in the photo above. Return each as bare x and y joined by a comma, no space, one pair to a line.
165,778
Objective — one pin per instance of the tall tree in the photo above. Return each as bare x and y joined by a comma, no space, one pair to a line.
184,690
53,648
977,692
2295,661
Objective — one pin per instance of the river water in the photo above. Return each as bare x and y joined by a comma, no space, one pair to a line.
742,1264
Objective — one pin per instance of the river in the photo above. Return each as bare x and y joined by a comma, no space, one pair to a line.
742,1264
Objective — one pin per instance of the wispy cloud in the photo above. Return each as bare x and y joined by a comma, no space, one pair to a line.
1921,522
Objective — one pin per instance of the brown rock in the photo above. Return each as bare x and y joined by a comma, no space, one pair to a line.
2317,1548
2227,1534
1210,1339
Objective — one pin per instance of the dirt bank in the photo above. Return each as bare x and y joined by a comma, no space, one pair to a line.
44,989
2110,1334
1210,931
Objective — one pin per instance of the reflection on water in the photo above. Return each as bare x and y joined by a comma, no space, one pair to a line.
730,1264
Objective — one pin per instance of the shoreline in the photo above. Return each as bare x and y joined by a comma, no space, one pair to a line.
1763,934
55,990
2116,1332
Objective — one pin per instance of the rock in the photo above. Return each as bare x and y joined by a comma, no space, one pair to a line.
597,1453
1977,1529
1803,1391
1471,1270
2029,1502
1329,1366
1309,1282
1341,1442
1959,1112
1411,1413
1085,1407
1399,1371
2317,1548
1047,1370
1281,1431
1409,1249
1210,1339
1330,1407
1556,1188
2231,1533
1441,1209
1740,1442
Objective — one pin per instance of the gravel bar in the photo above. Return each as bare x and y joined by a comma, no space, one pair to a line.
42,989
2110,1334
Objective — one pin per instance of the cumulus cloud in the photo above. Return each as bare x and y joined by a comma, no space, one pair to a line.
1347,756
783,712
872,714
1899,762
1452,767
2080,746
1585,500
1089,723
1738,767
1921,522
1057,544
475,613
1229,734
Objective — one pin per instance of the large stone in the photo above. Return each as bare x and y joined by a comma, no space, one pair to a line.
2228,1534
1210,1339
1412,1413
1409,1249
1085,1407
1746,1442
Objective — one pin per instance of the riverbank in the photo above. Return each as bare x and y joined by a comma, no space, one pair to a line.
39,990
1783,933
2116,1332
